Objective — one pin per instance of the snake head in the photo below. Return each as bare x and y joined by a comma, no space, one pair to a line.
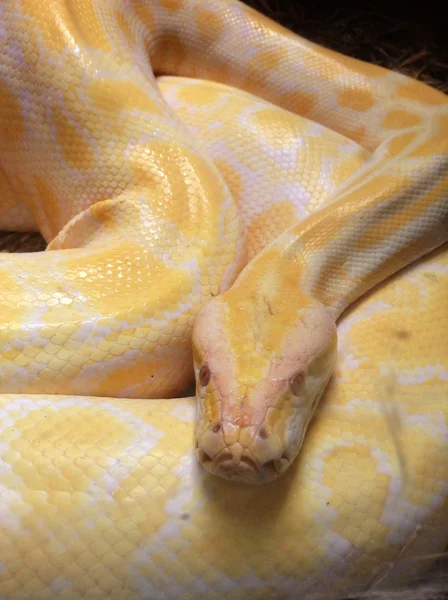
260,371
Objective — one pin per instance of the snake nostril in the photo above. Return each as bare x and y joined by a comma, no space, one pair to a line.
204,457
216,428
263,433
204,375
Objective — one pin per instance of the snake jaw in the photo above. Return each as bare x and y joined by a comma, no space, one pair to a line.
238,463
233,463
243,453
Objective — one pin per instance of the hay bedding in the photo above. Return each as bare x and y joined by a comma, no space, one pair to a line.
409,39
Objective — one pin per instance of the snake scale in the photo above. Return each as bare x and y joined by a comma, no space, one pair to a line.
216,193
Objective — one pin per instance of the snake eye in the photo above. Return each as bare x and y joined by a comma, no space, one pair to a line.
296,383
204,375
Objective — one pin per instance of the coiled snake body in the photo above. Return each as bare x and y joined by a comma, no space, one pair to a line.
216,224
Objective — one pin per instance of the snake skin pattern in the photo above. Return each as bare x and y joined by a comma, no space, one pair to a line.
187,215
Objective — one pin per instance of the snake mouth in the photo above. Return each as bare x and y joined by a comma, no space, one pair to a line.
227,466
226,462
243,469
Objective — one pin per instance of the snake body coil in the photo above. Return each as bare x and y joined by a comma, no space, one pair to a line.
266,217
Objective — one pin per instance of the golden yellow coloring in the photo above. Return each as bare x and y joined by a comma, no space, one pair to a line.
154,194
11,119
401,119
210,26
360,100
75,146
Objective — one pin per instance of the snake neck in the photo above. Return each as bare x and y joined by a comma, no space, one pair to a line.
336,256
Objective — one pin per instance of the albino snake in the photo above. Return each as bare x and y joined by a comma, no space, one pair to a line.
153,195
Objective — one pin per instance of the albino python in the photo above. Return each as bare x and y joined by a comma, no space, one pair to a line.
215,223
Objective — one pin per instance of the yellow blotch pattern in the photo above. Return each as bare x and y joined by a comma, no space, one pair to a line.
172,172
126,29
193,95
12,126
401,119
360,100
265,227
76,148
421,94
345,167
145,15
112,97
233,178
45,26
210,25
346,462
438,145
90,23
401,142
270,59
330,64
173,5
395,323
300,102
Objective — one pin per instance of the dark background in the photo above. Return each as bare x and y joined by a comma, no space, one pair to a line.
405,36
